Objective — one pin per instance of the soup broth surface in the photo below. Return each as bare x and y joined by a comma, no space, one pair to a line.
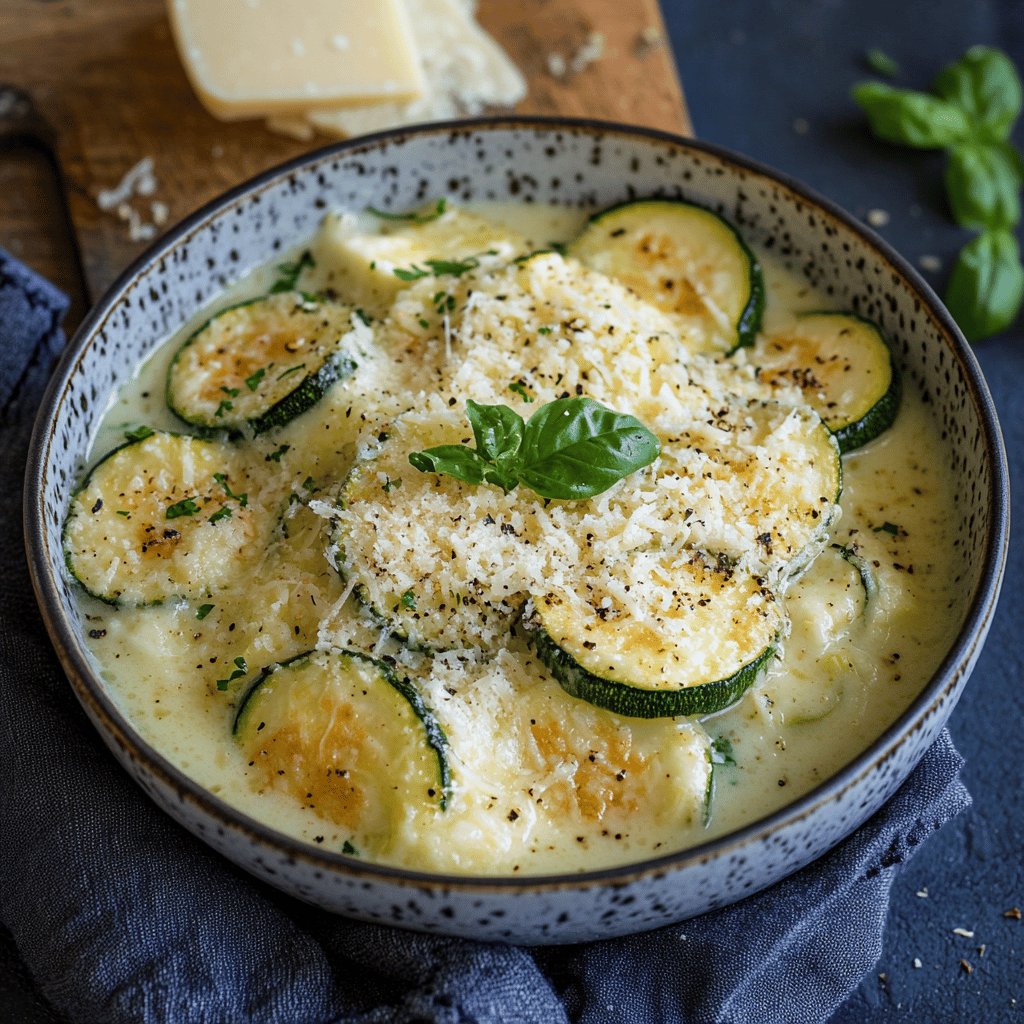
527,798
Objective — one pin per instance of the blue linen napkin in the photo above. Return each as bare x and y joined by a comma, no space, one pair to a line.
121,916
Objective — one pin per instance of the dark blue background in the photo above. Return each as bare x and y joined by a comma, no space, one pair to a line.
750,68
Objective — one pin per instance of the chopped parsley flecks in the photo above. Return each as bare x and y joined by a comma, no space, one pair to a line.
290,273
519,387
275,456
185,507
242,499
241,669
203,610
252,382
443,303
890,528
721,751
408,599
222,513
439,268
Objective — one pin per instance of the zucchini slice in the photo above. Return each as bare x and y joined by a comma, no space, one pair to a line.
261,363
696,637
167,515
759,473
868,583
845,369
686,261
345,736
391,515
370,268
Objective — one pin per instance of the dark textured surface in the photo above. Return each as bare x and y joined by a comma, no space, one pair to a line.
750,70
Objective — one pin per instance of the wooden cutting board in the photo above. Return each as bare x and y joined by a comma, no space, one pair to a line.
101,87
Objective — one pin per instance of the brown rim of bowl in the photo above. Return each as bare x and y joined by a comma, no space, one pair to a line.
91,694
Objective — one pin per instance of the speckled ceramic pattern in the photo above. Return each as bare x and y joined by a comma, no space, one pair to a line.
578,164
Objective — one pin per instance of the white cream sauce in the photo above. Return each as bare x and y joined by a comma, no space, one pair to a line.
844,677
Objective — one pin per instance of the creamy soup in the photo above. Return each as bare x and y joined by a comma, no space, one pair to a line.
461,605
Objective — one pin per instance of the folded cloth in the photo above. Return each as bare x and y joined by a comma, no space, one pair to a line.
121,916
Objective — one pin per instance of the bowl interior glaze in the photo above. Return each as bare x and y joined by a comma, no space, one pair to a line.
577,164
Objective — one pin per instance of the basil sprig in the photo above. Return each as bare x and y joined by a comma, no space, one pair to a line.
572,448
970,113
988,280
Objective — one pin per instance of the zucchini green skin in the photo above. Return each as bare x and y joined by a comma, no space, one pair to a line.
435,736
633,702
135,588
863,567
878,419
880,414
309,390
68,557
338,367
749,320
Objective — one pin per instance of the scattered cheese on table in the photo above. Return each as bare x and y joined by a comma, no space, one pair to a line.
252,58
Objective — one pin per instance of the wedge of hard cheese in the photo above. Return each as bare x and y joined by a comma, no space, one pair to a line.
465,69
250,58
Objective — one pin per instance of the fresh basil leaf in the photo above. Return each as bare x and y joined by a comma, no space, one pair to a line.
982,186
985,85
912,118
881,63
575,448
454,459
987,285
498,431
1012,155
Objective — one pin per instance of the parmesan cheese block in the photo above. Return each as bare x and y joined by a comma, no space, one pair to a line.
247,58
464,68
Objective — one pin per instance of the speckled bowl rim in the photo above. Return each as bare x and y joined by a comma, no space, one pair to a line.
89,688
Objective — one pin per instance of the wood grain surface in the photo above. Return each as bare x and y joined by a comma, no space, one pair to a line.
105,78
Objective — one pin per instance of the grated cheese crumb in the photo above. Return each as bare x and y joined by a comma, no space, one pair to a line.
138,180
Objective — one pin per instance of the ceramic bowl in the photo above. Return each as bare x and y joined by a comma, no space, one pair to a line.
531,161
